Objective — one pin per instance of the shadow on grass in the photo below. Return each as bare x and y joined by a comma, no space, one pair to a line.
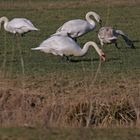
136,41
83,60
92,60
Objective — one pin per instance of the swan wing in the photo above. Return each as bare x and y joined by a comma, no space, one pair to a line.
127,40
18,23
59,45
75,28
106,32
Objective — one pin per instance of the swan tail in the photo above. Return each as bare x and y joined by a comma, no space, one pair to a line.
128,41
35,29
59,29
38,48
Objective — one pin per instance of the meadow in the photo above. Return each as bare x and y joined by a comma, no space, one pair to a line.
69,96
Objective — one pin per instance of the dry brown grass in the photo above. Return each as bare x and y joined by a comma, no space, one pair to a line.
69,103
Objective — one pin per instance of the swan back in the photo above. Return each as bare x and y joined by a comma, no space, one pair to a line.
106,32
59,45
107,35
17,25
21,25
75,28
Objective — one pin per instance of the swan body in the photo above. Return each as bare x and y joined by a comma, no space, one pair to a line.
109,35
17,25
66,46
78,27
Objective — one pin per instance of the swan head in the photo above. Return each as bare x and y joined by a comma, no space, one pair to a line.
3,20
100,23
98,50
102,55
96,16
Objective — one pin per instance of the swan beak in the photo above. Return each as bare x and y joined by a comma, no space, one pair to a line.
100,23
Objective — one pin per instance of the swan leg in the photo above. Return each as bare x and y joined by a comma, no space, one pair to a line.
18,36
3,66
23,34
65,58
132,46
12,55
75,39
116,45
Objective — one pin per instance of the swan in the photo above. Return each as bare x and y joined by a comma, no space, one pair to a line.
78,27
17,25
66,46
109,35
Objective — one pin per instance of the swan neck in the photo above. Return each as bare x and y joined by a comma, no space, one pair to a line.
93,44
89,19
85,49
5,20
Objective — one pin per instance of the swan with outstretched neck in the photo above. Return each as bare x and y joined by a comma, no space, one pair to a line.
66,46
78,27
109,35
17,25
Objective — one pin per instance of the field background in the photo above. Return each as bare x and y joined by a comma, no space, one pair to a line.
67,95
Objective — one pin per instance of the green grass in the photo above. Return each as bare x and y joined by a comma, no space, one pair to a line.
69,134
123,60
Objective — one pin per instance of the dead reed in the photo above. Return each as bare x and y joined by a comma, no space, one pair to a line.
61,104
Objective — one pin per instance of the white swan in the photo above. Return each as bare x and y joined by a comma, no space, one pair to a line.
66,46
78,27
17,25
108,35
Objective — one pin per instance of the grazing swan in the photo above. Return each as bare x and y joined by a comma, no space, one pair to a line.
78,27
66,46
17,25
108,35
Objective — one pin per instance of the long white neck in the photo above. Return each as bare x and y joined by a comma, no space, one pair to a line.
86,47
95,15
5,20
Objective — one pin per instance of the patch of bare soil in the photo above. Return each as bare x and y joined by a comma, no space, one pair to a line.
63,103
